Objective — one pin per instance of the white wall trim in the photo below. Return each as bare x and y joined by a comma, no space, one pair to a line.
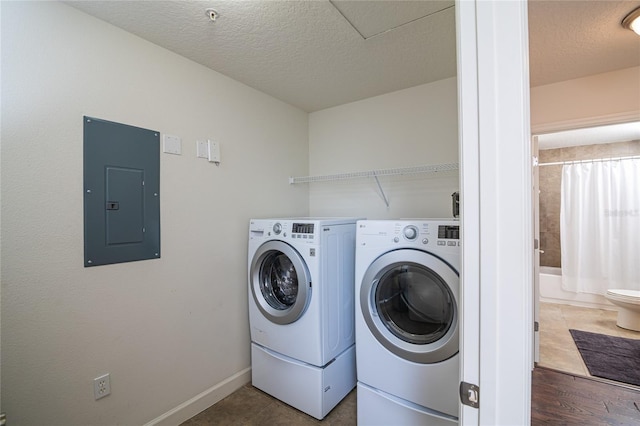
580,123
202,401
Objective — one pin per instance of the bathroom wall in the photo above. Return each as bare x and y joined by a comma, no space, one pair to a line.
605,95
550,185
411,127
167,330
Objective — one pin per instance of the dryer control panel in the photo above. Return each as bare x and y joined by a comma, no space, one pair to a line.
416,233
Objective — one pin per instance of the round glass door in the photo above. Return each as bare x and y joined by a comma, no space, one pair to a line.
280,282
414,303
409,302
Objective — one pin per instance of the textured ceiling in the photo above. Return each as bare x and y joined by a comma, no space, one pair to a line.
303,52
316,54
572,39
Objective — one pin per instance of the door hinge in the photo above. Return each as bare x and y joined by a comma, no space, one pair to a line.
536,326
470,394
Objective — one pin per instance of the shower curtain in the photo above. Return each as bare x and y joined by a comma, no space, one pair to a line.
600,226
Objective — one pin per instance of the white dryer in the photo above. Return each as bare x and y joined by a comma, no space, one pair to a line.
407,294
301,310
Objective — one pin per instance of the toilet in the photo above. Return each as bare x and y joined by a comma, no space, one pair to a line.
628,302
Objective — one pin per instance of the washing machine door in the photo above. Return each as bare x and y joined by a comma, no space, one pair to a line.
409,300
280,282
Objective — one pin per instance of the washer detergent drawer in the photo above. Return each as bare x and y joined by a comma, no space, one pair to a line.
310,389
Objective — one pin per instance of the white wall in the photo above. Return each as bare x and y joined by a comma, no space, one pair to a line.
411,127
611,94
167,329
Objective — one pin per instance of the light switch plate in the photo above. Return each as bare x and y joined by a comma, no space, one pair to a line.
214,151
202,150
171,145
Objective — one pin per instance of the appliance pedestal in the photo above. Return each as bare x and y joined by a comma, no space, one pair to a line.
313,390
377,408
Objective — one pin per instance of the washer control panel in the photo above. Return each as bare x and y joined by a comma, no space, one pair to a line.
284,229
305,230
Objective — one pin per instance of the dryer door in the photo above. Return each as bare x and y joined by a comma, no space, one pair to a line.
280,282
409,300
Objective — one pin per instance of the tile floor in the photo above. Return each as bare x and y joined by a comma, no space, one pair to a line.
557,349
249,406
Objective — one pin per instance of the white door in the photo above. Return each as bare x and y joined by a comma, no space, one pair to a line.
496,205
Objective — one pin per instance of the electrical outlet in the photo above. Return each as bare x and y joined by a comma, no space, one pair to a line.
101,386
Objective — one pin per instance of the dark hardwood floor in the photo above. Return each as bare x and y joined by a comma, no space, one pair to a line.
563,399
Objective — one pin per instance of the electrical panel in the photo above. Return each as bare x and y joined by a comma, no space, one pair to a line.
121,193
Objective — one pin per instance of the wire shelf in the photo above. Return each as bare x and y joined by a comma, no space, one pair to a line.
427,169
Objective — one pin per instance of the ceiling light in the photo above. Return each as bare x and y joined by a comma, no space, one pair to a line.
632,21
212,14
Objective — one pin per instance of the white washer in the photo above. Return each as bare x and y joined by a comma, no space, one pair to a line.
301,310
407,294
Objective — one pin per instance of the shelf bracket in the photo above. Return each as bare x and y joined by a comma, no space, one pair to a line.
384,197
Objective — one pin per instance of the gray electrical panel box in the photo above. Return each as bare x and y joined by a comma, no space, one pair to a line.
121,193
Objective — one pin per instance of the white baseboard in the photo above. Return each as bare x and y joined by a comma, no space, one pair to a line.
202,401
604,304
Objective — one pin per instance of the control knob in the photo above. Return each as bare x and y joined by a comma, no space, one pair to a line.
410,232
277,228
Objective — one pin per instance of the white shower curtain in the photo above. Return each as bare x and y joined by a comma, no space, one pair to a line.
600,226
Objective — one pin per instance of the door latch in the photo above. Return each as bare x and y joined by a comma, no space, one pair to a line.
470,394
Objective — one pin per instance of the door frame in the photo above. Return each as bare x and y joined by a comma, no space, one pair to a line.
495,158
537,250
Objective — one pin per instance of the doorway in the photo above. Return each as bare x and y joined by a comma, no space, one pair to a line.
559,309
